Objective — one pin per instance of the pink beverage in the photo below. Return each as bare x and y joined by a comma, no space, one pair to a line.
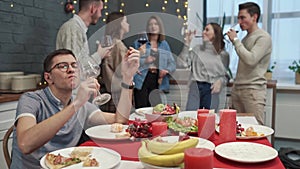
227,125
206,125
199,111
159,128
195,158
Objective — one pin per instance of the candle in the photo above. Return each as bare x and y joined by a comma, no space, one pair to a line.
206,125
199,111
195,158
227,125
159,128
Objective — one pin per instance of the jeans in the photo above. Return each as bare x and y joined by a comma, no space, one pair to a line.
199,96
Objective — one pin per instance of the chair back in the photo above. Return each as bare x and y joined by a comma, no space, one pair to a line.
5,145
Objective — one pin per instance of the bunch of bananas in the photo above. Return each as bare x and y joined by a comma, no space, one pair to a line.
164,154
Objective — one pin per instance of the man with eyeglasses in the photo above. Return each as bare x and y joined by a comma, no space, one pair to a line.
53,118
72,34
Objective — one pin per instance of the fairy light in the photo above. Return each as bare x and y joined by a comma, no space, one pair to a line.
106,13
105,7
163,8
75,2
73,11
105,1
122,4
121,10
104,20
177,10
147,5
11,5
165,1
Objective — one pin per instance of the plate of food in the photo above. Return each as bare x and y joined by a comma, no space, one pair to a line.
246,152
184,124
251,131
81,157
113,132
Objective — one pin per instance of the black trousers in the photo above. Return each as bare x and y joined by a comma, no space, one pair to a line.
148,96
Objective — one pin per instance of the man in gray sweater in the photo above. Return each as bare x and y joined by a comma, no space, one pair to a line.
254,52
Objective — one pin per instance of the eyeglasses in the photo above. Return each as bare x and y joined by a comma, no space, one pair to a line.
64,66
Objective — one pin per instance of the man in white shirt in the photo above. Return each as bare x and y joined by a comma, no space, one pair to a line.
72,34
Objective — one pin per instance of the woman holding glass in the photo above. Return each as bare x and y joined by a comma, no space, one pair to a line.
116,27
208,63
156,63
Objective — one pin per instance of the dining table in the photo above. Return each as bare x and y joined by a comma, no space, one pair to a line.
128,149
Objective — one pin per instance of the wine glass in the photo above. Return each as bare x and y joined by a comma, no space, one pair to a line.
106,41
91,69
142,38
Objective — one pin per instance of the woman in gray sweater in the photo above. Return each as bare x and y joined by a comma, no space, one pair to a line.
208,63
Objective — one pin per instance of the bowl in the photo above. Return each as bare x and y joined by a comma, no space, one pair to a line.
6,79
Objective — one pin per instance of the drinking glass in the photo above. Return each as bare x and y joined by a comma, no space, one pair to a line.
91,69
142,38
106,41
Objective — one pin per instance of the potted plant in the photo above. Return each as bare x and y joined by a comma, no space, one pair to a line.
269,72
295,67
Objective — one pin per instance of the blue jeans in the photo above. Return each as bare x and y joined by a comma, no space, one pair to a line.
199,96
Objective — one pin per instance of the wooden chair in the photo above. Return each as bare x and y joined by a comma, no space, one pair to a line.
5,145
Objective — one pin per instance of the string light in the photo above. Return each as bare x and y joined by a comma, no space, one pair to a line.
147,5
165,1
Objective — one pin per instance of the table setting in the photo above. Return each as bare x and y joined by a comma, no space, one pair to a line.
167,147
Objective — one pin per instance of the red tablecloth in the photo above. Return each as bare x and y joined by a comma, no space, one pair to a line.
128,151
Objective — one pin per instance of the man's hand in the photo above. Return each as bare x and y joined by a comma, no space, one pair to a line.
130,64
231,34
86,89
104,52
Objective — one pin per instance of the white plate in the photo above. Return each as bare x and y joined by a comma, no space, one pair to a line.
246,152
107,158
267,131
203,143
102,132
144,110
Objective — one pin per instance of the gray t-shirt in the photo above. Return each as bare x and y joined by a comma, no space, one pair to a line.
42,104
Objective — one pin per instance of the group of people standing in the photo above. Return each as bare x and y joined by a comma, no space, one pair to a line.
141,71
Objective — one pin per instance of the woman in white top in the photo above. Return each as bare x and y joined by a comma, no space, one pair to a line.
208,63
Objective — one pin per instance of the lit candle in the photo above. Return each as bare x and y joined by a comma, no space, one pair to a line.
195,158
206,125
199,111
159,128
227,125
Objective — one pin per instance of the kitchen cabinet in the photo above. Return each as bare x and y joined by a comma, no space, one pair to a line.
7,116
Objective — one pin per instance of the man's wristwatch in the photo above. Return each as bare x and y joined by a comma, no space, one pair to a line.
126,86
235,39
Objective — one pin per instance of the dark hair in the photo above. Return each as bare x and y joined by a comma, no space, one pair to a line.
48,60
113,24
83,4
218,41
252,8
161,28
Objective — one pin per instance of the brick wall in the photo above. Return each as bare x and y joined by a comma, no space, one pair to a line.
27,33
